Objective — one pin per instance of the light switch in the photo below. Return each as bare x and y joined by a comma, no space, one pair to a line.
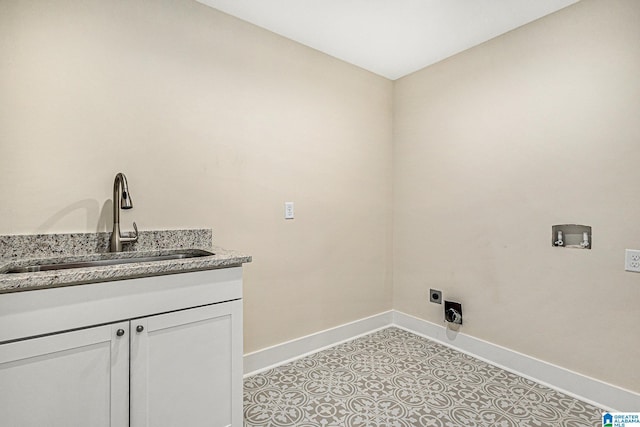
288,210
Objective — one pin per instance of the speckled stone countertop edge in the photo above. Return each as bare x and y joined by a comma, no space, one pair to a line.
156,243
221,258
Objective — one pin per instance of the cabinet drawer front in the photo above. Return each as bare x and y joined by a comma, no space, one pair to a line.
32,313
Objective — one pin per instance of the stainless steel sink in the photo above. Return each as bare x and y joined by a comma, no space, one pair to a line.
122,258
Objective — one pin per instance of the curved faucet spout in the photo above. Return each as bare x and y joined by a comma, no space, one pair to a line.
125,197
121,200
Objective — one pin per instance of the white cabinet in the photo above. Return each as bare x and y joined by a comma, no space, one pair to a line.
78,378
181,367
185,370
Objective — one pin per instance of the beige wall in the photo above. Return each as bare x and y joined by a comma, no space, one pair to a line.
216,123
494,146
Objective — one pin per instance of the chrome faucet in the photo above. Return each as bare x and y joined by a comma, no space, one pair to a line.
121,200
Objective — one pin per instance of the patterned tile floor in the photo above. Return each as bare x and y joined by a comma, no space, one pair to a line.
393,378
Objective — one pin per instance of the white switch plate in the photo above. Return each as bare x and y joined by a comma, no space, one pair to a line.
632,260
288,210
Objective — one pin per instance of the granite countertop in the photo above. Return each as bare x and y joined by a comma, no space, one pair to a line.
22,251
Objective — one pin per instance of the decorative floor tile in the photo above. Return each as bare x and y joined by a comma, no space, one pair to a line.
393,378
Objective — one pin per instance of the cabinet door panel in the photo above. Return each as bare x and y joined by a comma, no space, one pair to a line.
181,368
77,378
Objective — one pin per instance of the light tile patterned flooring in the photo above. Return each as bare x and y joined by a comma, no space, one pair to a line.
393,378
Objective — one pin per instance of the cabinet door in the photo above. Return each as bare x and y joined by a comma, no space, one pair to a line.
78,378
186,368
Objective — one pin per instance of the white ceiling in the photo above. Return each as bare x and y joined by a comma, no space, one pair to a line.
391,38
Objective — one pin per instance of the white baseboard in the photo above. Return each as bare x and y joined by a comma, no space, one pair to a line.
269,357
577,385
572,383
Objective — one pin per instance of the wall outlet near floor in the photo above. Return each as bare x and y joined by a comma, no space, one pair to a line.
632,260
435,296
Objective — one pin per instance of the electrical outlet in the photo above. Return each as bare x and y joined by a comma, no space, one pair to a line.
288,210
435,296
632,260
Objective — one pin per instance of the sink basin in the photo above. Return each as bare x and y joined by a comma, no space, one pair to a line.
110,259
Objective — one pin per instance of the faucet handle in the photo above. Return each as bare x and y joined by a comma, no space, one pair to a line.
131,236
